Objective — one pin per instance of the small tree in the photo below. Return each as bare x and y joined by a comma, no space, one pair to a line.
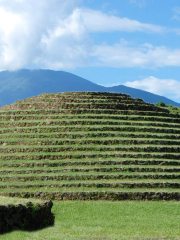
161,104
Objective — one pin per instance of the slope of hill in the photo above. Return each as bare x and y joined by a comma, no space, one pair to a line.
27,83
89,145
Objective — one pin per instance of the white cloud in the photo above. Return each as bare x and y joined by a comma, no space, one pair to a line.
127,55
47,33
56,34
66,46
96,21
167,87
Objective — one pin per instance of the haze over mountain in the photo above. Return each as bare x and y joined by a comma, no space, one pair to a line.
21,84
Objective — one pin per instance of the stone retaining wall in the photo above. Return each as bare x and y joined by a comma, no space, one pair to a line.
98,195
26,216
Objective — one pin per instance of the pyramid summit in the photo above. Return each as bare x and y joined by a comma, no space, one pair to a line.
89,146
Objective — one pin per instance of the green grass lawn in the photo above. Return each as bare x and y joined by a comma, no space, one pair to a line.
109,220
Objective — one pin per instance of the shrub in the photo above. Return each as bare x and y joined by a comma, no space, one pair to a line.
161,104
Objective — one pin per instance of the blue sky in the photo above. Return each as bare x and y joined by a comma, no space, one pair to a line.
118,42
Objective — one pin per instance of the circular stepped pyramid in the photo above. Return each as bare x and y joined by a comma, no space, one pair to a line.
89,146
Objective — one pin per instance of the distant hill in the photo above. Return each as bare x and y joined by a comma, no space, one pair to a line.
24,83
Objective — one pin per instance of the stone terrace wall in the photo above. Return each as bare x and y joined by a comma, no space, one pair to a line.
26,216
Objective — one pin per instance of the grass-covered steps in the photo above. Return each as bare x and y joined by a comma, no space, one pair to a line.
82,104
89,145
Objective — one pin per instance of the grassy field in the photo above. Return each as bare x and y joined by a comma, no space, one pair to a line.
107,220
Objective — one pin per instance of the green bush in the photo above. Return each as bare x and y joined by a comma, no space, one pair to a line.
161,104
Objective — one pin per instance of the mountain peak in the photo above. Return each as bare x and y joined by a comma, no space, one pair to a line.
24,83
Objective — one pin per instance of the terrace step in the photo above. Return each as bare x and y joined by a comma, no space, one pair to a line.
87,116
86,111
98,195
87,141
88,155
81,100
44,97
25,164
63,148
120,106
95,185
83,94
84,135
96,169
87,176
88,128
86,122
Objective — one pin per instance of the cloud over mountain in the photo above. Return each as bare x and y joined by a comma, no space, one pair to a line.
169,87
57,34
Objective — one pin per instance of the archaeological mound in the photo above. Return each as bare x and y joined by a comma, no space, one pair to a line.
89,146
